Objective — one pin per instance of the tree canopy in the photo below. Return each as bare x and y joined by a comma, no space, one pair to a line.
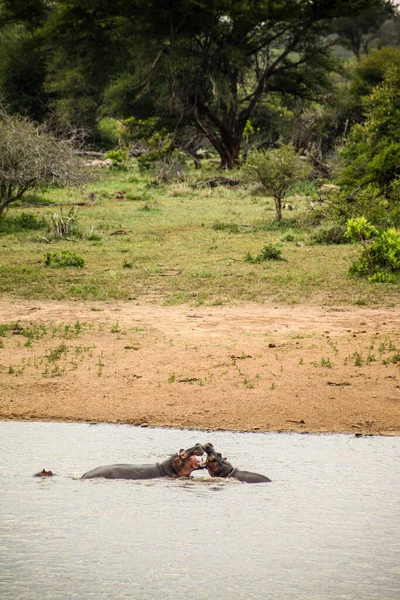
213,64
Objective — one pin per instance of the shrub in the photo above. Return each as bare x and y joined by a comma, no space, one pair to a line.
22,222
269,252
277,171
380,257
367,201
330,233
118,157
32,158
170,168
65,258
61,226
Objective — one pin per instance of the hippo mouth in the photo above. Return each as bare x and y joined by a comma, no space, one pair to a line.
201,461
195,456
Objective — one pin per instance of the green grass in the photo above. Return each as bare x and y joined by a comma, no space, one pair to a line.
176,244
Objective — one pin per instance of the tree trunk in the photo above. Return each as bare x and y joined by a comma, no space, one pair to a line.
278,206
225,137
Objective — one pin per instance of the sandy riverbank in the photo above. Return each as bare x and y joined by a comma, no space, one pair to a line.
246,367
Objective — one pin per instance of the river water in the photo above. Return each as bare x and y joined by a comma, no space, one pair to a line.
327,527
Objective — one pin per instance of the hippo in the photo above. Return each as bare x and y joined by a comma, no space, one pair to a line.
178,465
220,467
44,473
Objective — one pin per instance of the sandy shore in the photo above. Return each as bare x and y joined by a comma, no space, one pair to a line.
248,367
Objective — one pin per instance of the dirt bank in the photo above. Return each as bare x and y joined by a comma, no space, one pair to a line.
247,367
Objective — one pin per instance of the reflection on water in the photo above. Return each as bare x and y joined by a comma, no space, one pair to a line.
327,527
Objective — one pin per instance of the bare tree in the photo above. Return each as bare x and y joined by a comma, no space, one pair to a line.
32,157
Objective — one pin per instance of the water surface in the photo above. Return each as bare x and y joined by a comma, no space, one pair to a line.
327,527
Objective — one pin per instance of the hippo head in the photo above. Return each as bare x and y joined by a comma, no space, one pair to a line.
189,460
216,465
44,473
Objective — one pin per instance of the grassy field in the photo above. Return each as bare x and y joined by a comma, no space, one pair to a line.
176,243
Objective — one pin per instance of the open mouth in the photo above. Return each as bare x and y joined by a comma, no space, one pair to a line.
201,462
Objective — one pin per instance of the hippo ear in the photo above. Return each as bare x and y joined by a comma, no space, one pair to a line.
178,461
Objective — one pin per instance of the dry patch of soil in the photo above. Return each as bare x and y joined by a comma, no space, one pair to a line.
247,367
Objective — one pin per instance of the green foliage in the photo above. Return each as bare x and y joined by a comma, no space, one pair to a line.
277,171
382,210
269,252
373,69
23,222
360,230
65,258
357,31
118,157
329,233
108,132
372,153
380,258
22,71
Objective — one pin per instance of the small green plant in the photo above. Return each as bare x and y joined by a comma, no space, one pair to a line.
61,226
392,359
65,258
358,360
57,353
269,252
326,362
4,329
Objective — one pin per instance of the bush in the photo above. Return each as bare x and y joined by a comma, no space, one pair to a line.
380,257
368,201
118,157
330,233
269,252
65,258
31,158
22,222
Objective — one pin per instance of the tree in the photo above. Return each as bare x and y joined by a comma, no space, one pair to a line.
218,62
372,152
89,42
277,171
23,56
32,158
356,32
